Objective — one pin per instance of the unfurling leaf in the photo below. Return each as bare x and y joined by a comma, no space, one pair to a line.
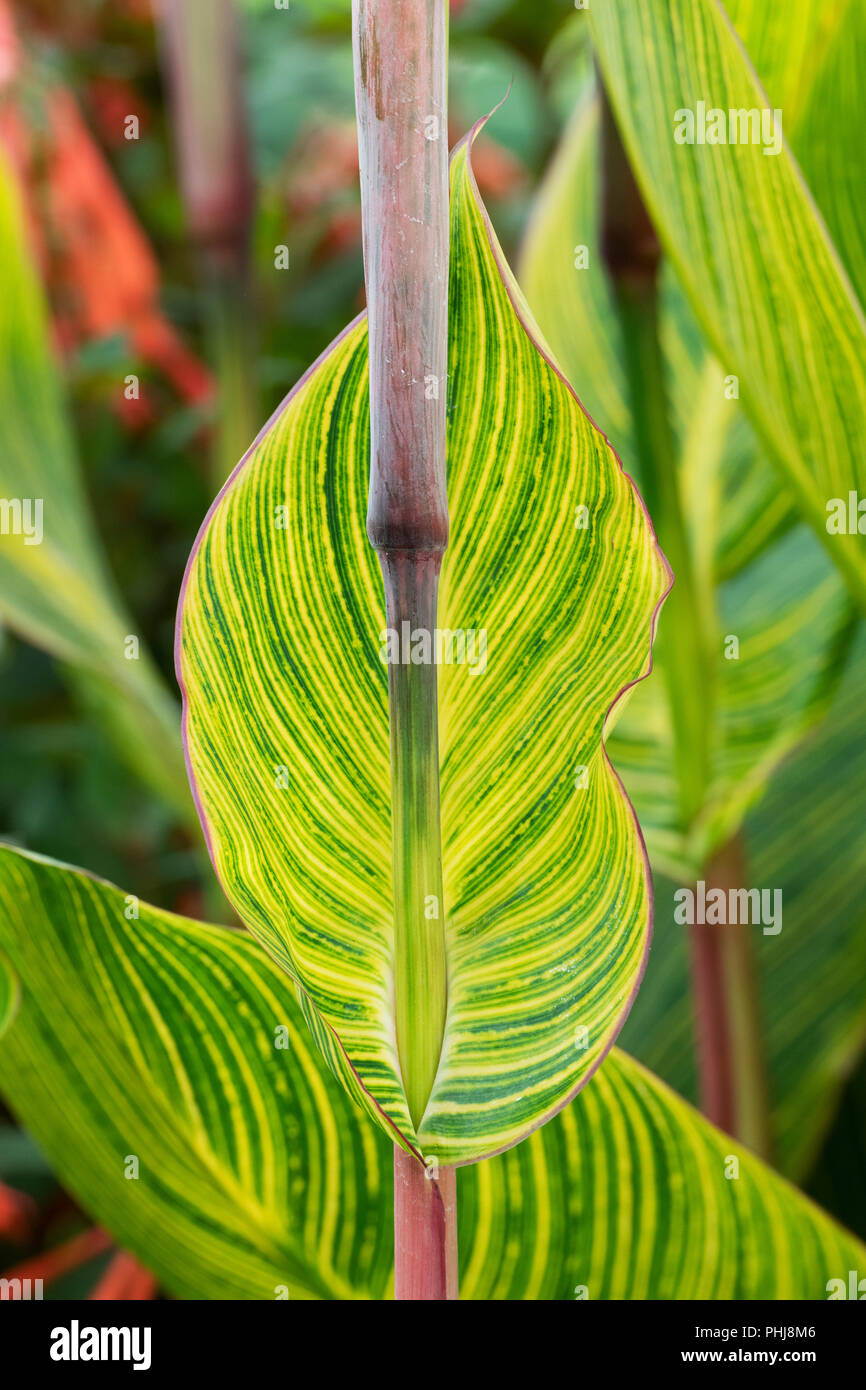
552,579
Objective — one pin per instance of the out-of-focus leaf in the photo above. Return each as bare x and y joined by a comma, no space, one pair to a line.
10,992
54,589
833,157
567,64
154,1038
805,54
837,1178
546,911
802,839
791,619
788,46
784,608
761,273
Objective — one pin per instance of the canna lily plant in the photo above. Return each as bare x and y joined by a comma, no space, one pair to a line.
466,919
437,855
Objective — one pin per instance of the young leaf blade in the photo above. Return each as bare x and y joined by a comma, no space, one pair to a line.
280,628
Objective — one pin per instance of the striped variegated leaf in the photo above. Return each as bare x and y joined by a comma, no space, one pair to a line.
752,253
631,1194
805,55
563,274
808,56
54,587
553,575
164,1068
157,1039
783,602
784,607
833,158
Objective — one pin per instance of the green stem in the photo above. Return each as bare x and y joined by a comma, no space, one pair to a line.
411,584
232,352
401,49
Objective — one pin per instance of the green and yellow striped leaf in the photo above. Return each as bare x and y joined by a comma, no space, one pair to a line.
164,1068
793,632
54,587
631,1194
753,255
808,56
563,274
552,557
781,601
805,54
788,46
833,158
154,1038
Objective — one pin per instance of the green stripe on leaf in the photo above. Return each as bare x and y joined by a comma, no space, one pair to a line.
179,1045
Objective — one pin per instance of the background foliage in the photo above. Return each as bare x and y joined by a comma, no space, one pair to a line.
85,786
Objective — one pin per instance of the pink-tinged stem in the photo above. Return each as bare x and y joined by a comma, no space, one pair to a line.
52,1264
425,1230
200,50
124,1279
202,61
401,51
727,1017
400,93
